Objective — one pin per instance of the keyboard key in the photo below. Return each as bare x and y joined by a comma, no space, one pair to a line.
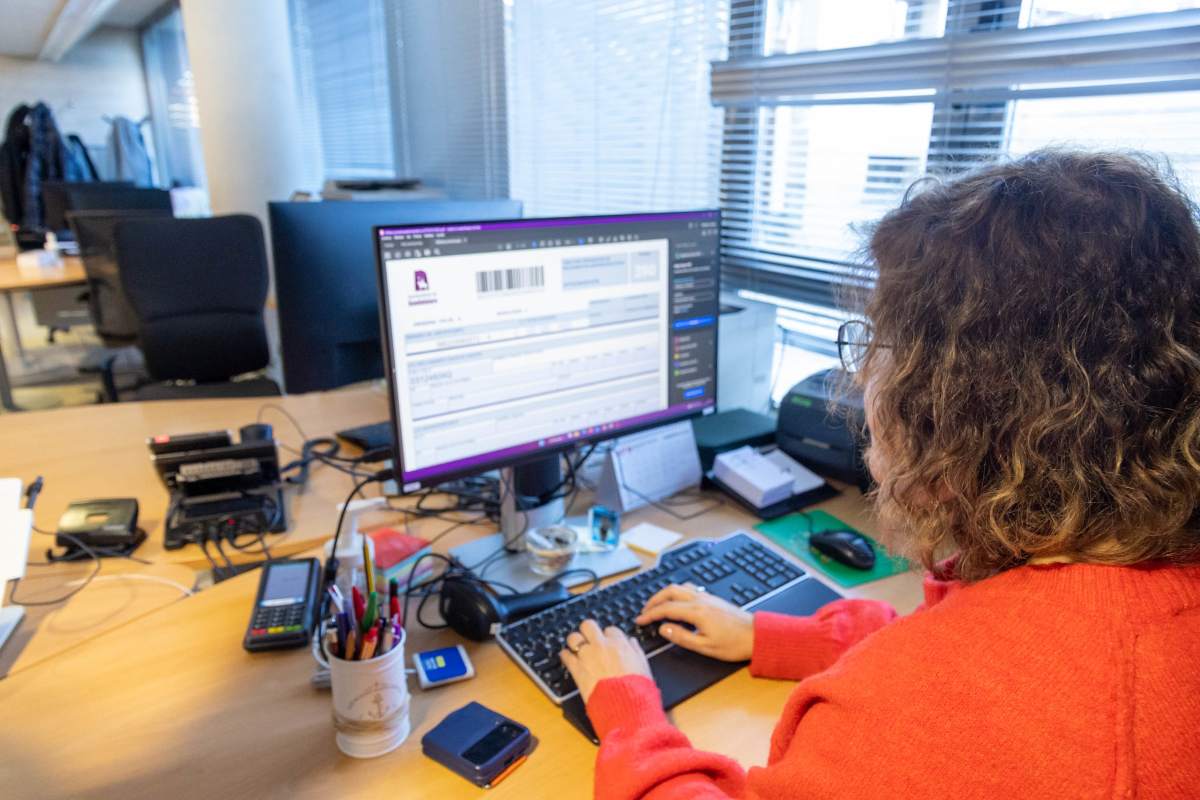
537,640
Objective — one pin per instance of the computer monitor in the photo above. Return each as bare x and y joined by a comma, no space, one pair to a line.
326,290
508,342
56,200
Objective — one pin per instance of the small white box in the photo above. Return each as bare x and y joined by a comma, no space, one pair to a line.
753,476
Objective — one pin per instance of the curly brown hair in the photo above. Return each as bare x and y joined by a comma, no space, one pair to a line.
1035,364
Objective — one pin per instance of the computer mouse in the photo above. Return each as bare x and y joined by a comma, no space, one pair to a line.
845,547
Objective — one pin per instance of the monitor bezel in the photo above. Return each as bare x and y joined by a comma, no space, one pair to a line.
426,481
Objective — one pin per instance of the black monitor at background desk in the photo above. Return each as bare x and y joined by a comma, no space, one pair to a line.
325,284
59,198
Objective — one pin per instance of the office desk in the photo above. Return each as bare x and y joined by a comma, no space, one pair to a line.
13,280
123,592
158,699
101,451
171,706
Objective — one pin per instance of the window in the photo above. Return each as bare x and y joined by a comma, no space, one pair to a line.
608,104
342,75
832,109
403,90
174,117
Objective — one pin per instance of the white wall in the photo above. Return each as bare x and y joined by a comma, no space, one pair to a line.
102,75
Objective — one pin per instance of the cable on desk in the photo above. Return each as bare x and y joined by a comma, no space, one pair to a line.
716,503
31,496
140,577
323,449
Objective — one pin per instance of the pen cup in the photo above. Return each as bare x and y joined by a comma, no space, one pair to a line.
370,702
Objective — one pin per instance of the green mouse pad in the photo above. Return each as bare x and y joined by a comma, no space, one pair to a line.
792,532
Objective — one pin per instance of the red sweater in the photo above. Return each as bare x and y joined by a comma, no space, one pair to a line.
1076,681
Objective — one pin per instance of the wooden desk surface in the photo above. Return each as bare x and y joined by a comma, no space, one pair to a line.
129,690
100,451
13,280
123,592
171,706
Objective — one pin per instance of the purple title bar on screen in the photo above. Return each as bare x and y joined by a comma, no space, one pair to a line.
550,222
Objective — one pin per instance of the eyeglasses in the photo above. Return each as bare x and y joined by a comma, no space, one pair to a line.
853,340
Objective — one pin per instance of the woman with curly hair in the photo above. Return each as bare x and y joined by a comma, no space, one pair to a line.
1030,358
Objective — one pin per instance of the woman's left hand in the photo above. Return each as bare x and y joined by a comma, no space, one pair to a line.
591,655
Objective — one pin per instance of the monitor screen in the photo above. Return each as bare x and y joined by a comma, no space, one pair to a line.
512,338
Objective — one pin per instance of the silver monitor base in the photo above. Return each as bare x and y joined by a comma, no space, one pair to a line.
10,618
512,569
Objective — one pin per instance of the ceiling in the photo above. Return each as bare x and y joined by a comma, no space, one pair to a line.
26,24
132,13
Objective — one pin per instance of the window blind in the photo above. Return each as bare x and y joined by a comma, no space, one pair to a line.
831,112
608,104
175,118
450,71
342,74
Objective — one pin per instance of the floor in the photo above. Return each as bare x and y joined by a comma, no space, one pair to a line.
48,376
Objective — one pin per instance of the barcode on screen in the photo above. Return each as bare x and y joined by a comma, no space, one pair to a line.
507,280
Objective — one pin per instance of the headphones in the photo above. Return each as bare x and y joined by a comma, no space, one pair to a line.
473,610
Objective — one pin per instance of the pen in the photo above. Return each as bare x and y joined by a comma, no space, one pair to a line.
372,610
360,605
335,595
343,632
385,644
394,597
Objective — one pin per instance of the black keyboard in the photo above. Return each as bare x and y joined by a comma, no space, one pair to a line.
737,568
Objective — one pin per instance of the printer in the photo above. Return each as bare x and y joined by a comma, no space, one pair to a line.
815,429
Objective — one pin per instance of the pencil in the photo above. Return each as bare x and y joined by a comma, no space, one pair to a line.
368,565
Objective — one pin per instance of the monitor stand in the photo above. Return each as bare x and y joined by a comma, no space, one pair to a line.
10,618
524,506
528,499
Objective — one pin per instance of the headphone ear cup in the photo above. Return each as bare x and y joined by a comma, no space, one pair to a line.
469,608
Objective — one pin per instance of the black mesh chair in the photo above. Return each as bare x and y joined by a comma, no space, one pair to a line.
197,287
112,317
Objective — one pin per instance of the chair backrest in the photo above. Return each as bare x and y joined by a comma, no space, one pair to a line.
56,199
113,196
114,319
198,287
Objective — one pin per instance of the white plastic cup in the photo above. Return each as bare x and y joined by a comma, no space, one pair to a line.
370,702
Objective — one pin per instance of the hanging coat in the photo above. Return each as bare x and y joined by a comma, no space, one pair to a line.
14,152
127,156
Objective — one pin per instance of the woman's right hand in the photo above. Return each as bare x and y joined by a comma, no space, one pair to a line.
722,630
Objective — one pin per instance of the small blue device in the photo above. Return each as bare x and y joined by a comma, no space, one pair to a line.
605,525
477,743
447,665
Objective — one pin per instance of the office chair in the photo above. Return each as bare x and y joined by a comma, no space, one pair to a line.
198,287
113,318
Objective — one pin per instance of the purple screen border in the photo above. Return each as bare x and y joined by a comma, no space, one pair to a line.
548,222
607,430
